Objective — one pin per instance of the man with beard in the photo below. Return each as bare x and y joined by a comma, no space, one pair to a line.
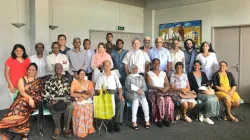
109,46
146,48
190,54
117,57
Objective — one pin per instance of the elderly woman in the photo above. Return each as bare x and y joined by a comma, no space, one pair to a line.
25,104
97,60
208,59
16,67
135,92
82,90
159,95
57,99
211,106
225,86
179,82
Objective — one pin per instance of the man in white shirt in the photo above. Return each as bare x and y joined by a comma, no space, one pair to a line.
78,59
90,53
111,82
136,57
40,60
56,57
162,54
177,55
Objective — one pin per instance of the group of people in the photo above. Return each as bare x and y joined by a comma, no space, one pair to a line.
67,79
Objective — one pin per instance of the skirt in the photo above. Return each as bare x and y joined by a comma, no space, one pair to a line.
234,98
211,105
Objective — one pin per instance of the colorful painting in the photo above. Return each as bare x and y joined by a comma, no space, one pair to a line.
181,31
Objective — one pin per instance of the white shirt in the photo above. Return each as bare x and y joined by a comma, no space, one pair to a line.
157,81
209,64
110,82
52,59
177,56
139,58
41,64
90,53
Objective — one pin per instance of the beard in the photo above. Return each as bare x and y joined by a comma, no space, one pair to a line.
119,48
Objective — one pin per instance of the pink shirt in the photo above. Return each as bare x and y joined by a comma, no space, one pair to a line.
98,60
17,69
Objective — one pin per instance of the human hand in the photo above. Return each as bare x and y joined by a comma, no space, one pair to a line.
65,62
31,103
53,102
121,98
140,92
12,89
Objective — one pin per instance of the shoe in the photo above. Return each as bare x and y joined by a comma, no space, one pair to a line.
201,117
233,119
56,134
167,123
67,133
178,116
110,127
187,119
117,127
159,123
209,121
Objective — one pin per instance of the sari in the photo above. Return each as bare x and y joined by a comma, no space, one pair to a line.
17,117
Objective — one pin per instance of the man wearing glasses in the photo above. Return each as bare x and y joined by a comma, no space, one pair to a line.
162,54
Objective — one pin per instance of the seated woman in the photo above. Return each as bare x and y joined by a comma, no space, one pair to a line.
82,90
211,104
57,100
135,92
159,95
97,60
179,82
225,86
24,105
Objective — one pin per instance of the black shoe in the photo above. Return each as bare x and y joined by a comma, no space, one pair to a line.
117,127
159,123
167,123
110,127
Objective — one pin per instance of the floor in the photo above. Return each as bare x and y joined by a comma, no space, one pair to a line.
221,130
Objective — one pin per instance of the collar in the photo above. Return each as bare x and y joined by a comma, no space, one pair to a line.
74,50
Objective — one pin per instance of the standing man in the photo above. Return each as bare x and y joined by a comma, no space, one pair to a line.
62,41
190,54
177,55
109,46
146,48
78,59
90,53
40,60
56,57
162,54
117,57
136,57
113,86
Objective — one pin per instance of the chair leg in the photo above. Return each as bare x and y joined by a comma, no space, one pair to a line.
243,111
198,113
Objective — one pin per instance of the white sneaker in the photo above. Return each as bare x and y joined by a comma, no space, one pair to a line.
209,121
201,117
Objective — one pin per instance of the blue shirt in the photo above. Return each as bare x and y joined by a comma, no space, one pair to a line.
118,64
162,54
189,59
65,51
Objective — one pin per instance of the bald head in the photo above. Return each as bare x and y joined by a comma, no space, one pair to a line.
107,66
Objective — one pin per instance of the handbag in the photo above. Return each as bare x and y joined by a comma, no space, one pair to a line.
189,95
104,105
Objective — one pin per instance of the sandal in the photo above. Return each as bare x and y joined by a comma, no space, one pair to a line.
147,126
233,119
25,137
225,117
136,127
187,119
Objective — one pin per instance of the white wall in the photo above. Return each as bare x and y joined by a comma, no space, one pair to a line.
212,13
74,18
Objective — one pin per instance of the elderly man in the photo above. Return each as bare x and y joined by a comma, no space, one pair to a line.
56,57
146,48
113,86
78,59
162,54
177,55
56,95
137,57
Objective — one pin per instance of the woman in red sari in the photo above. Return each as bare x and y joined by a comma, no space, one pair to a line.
26,103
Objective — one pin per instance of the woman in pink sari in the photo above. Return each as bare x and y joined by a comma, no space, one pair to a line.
97,60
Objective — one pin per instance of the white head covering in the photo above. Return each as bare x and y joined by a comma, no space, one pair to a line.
134,74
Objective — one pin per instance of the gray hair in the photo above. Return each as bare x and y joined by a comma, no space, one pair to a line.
158,38
135,40
58,64
76,38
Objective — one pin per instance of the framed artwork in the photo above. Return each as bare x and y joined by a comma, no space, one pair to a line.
181,31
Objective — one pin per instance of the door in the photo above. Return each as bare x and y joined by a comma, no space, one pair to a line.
244,85
226,43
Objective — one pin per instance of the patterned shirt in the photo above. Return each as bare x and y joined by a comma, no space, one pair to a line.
55,87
